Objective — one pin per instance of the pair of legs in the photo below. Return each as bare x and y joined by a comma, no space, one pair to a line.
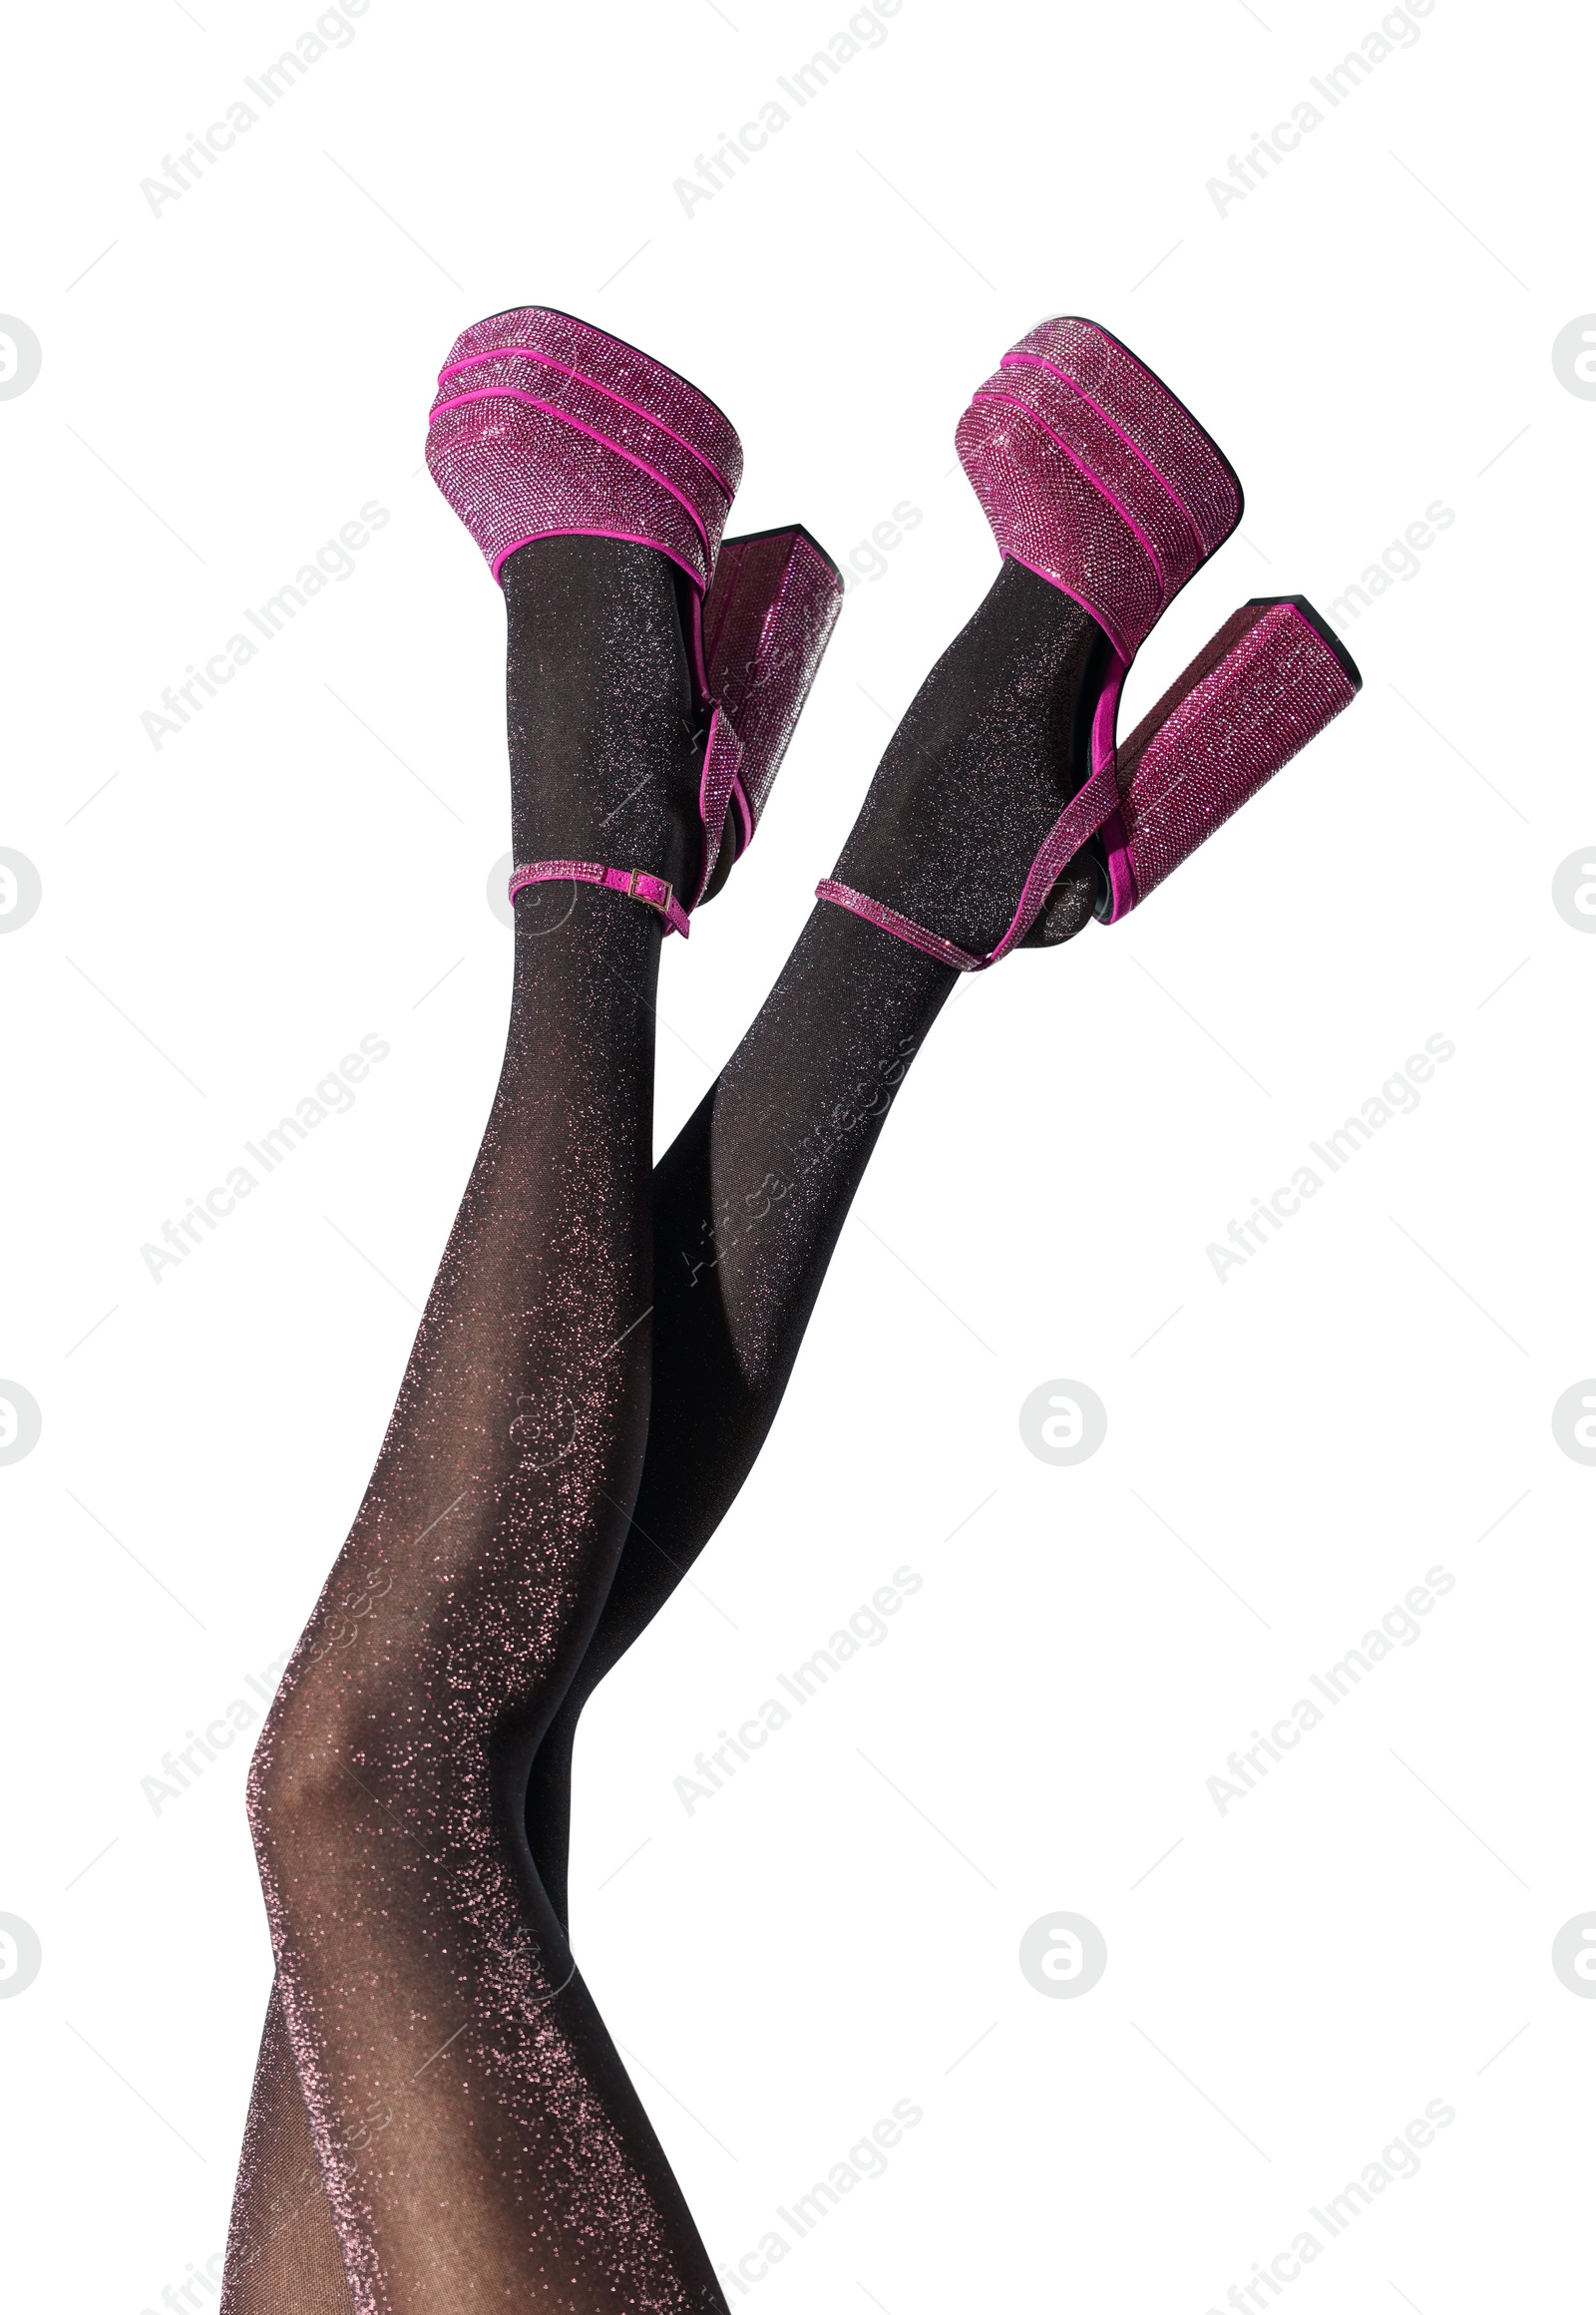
440,2120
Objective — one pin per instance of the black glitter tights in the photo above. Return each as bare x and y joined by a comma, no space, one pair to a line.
482,2145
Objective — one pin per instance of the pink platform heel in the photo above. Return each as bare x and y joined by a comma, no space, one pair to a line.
1254,696
1095,477
544,426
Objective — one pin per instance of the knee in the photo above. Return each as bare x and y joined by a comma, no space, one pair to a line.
299,1777
342,1760
328,1743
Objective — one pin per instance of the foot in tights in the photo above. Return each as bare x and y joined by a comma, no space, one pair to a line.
747,1208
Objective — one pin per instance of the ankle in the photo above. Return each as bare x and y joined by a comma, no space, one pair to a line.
603,753
990,752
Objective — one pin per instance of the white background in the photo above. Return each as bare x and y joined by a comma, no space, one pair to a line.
1288,1451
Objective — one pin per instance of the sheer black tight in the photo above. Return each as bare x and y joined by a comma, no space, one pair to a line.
412,1796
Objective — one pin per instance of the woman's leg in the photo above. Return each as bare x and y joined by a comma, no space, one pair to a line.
480,2143
747,1208
750,1199
282,2247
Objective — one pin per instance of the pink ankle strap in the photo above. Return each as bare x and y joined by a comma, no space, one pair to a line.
843,896
1081,818
637,883
1258,690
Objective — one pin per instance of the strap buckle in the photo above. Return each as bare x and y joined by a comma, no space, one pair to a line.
666,895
